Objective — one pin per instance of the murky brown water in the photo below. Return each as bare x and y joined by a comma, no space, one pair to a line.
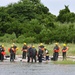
24,68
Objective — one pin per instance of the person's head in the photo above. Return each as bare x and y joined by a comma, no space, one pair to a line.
41,44
24,43
12,45
33,46
64,45
3,46
56,44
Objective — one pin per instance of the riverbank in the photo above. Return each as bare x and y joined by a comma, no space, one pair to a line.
19,58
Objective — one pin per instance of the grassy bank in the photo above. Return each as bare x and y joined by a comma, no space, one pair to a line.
70,52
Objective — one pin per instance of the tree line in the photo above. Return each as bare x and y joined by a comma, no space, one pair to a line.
30,21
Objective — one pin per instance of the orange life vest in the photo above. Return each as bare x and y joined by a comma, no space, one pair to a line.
65,50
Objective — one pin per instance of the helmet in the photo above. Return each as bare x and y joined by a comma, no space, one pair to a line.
11,45
24,43
45,47
33,46
41,44
56,43
2,45
64,44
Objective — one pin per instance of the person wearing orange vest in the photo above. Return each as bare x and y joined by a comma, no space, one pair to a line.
64,50
2,52
15,49
11,50
56,52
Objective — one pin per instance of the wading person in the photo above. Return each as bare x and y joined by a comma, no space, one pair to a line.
40,52
11,50
15,49
64,50
46,54
56,52
2,52
29,53
34,53
24,51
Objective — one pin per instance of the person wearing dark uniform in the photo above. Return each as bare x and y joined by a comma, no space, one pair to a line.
56,52
40,52
2,52
34,53
24,49
15,48
29,53
40,55
11,50
64,50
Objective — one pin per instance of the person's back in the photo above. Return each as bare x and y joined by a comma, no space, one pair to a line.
40,52
29,53
40,55
34,53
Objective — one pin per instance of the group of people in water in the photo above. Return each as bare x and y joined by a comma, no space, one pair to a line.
32,54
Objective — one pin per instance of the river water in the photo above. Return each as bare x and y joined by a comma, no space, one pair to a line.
24,68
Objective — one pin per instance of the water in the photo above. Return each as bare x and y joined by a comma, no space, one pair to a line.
24,68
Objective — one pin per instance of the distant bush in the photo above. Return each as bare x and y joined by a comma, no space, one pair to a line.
8,38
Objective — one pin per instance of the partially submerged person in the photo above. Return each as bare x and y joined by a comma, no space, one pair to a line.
64,50
46,54
11,51
56,50
2,52
15,49
34,53
40,52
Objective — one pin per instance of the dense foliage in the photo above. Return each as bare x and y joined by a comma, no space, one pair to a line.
30,21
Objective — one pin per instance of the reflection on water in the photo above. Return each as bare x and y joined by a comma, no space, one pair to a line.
23,68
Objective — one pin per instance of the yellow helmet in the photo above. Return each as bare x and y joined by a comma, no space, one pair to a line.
45,47
41,44
33,46
56,43
11,45
2,45
64,44
24,43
